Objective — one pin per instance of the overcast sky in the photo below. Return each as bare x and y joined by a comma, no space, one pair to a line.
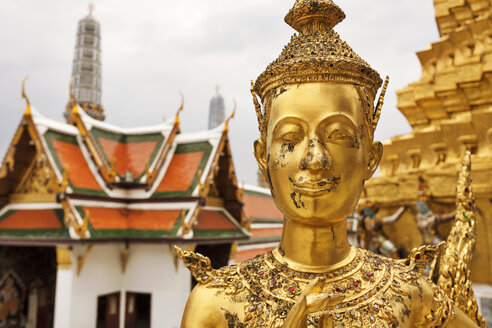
152,49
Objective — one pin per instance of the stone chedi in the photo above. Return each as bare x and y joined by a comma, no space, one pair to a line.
216,114
316,150
86,68
450,111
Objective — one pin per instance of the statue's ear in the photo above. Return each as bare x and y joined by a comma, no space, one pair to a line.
375,155
260,154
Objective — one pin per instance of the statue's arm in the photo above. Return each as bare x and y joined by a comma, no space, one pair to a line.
430,311
203,310
461,320
441,218
395,217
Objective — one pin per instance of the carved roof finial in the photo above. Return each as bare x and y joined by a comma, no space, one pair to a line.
28,104
226,126
176,119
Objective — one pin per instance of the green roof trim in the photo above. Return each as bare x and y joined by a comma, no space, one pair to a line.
229,233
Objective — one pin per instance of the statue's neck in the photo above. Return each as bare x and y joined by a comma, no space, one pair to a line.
309,247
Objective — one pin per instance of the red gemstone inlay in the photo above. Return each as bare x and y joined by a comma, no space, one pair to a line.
356,283
291,289
262,272
417,256
338,290
369,274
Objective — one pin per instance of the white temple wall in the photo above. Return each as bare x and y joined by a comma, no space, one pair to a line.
150,269
100,275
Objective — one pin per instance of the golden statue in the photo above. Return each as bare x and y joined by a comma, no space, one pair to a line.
316,151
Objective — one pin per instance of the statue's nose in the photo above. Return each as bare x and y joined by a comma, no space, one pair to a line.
316,157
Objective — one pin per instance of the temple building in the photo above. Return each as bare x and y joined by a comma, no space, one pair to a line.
450,111
216,114
263,220
89,211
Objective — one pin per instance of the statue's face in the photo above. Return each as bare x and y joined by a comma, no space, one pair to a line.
317,153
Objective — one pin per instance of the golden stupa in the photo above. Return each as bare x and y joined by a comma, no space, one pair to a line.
450,111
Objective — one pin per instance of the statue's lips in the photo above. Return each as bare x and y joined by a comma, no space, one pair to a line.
315,188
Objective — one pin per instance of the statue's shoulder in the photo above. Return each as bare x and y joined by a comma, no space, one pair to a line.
220,295
417,264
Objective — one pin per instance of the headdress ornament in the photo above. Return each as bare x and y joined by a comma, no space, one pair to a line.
316,53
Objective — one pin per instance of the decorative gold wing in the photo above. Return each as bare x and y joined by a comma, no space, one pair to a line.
455,262
199,265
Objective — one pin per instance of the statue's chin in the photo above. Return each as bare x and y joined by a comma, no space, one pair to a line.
317,210
317,217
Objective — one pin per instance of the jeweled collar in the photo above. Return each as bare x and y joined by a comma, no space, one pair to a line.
276,256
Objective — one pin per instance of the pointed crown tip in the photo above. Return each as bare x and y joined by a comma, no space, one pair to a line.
314,15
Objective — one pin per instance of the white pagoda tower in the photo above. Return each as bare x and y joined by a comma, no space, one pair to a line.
216,113
86,68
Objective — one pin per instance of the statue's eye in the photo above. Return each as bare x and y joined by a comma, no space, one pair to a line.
338,135
291,137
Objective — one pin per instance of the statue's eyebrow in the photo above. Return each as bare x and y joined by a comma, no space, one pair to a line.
338,117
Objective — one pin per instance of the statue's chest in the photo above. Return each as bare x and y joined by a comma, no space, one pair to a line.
385,310
372,295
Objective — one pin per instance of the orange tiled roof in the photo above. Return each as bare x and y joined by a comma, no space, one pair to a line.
260,207
83,152
212,220
242,256
129,157
121,218
266,232
31,219
73,161
181,172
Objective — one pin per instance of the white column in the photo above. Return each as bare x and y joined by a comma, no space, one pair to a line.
32,309
63,294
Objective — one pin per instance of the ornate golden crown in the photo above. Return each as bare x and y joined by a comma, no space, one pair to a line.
317,54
